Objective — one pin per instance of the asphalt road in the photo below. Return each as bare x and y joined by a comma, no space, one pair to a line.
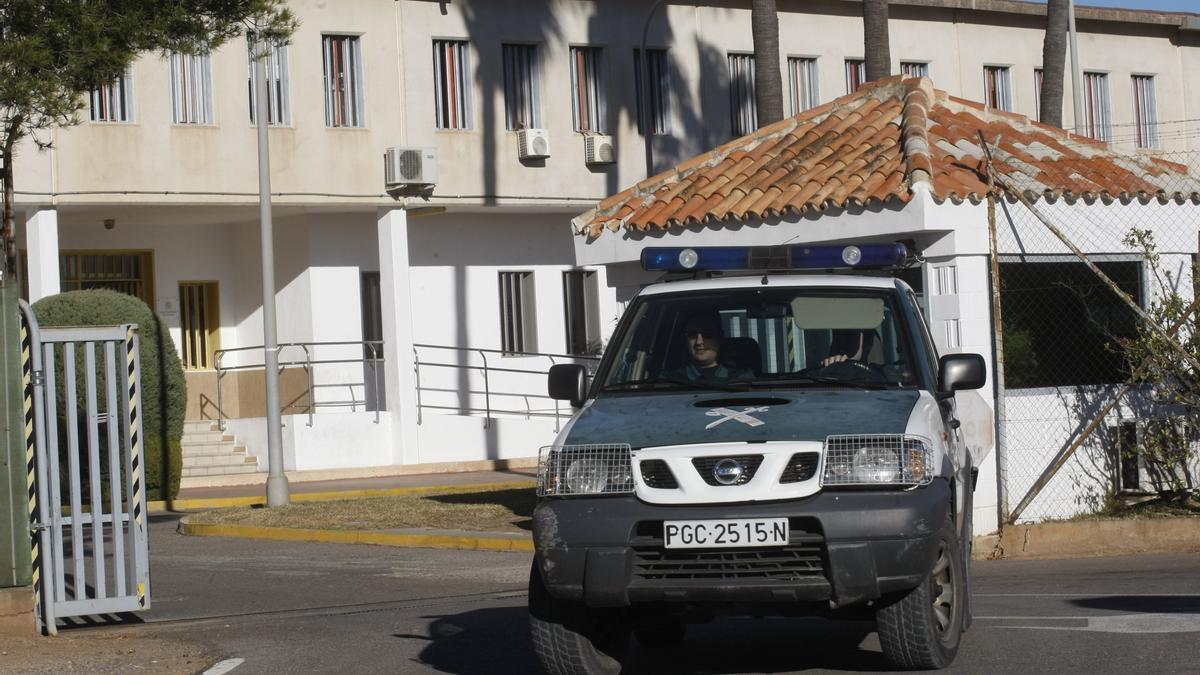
295,607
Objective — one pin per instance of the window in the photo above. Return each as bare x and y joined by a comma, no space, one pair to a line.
1097,123
279,113
856,74
129,272
1039,76
343,81
113,102
199,323
660,91
997,87
522,89
371,304
582,312
743,111
451,84
518,327
914,69
802,74
589,105
1145,111
191,88
1061,322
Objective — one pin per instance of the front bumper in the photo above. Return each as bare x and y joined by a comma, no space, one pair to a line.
846,547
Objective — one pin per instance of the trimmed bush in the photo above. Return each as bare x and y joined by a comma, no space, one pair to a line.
164,390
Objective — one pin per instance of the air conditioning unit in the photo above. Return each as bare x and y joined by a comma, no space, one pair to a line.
1139,473
599,149
410,167
533,144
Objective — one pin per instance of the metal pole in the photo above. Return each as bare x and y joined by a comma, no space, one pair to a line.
1076,71
998,347
277,484
647,113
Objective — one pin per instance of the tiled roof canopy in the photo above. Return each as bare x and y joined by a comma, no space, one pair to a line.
873,147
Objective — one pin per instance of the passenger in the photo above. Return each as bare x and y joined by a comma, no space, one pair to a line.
702,335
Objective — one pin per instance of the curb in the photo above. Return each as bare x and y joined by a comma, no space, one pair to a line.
483,542
204,504
1089,538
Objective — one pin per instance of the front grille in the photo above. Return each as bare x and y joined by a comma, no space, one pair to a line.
801,467
705,465
802,558
656,474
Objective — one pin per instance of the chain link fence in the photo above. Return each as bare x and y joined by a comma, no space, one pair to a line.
1064,332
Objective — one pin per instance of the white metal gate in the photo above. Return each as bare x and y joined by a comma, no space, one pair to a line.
87,497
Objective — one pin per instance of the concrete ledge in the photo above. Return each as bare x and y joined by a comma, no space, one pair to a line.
481,541
1088,538
259,500
16,611
260,478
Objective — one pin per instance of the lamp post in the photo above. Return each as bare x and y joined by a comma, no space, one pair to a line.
647,113
277,484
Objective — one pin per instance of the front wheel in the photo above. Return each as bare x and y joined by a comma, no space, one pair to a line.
922,629
570,639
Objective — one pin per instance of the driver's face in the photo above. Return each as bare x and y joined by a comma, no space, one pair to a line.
702,347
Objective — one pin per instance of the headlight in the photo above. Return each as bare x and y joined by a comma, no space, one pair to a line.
881,459
584,469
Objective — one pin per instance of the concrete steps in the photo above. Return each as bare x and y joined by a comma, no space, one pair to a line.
207,451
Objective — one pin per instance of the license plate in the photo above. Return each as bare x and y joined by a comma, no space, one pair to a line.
729,533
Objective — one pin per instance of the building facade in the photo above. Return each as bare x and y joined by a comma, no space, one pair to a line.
413,316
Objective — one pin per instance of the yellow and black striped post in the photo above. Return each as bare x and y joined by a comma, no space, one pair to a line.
31,458
135,444
791,343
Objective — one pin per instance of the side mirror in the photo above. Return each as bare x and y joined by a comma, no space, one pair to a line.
960,372
568,382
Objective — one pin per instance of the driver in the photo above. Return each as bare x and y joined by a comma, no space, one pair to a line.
849,345
703,335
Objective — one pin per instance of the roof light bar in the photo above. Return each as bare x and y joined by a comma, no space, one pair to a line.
732,258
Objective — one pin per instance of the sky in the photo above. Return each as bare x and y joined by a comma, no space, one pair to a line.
1165,5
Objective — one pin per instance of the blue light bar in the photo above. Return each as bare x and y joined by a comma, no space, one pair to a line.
732,258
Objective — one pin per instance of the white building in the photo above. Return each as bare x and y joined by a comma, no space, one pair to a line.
156,191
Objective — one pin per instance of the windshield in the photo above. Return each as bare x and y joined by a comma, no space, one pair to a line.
782,337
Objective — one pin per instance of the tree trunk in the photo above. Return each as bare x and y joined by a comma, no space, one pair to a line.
8,245
876,49
768,82
1054,60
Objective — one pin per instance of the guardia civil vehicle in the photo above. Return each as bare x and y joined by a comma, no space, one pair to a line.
816,469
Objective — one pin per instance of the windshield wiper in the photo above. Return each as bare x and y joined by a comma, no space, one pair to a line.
800,378
735,385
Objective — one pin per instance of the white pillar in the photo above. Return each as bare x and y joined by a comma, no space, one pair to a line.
41,238
395,291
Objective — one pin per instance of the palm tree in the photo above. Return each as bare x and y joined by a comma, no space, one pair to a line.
876,49
1054,59
768,82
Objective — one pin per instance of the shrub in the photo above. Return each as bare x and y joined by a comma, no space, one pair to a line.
164,390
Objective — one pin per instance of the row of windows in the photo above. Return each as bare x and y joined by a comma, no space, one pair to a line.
191,89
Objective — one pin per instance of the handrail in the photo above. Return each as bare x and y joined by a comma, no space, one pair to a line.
307,363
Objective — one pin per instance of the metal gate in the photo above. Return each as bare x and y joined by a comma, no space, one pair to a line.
87,499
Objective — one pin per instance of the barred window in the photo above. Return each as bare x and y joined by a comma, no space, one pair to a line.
342,56
518,327
589,104
660,91
997,87
914,68
856,74
1096,111
113,101
279,112
802,75
451,84
191,88
1145,113
743,111
522,89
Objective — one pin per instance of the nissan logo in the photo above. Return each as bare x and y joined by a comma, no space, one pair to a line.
728,471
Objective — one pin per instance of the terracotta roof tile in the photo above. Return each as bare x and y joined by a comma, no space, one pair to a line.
869,148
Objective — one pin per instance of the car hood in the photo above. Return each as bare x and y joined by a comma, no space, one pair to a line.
655,419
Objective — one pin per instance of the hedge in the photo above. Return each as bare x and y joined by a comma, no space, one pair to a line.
164,390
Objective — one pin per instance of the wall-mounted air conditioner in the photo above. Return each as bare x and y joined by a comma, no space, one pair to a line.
598,149
410,167
533,144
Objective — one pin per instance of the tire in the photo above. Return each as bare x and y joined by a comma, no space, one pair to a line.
922,628
662,635
569,638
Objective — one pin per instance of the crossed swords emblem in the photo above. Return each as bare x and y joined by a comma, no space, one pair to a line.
742,416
